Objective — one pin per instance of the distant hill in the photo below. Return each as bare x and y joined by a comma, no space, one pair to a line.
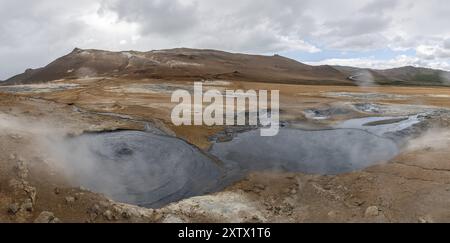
410,76
194,64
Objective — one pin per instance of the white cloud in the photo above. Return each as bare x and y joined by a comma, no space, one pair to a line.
164,17
433,52
32,33
373,63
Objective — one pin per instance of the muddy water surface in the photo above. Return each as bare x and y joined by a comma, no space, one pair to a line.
153,170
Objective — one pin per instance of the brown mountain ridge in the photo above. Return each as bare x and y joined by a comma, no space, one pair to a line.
195,64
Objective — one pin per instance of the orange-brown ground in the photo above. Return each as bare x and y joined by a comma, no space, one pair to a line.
413,187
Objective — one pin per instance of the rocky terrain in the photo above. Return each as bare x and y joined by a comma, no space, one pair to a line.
50,117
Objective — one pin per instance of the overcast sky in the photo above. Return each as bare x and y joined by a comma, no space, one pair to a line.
366,33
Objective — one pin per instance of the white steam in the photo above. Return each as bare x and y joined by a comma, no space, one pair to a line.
363,78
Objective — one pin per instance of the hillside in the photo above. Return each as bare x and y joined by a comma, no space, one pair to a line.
183,64
193,64
403,76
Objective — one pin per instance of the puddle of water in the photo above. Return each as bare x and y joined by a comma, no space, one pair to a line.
397,110
314,152
141,168
382,125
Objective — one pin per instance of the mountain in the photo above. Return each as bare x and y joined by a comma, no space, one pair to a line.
408,76
183,64
194,64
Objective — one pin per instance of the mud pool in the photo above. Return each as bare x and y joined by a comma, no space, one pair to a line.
382,125
315,152
153,170
141,168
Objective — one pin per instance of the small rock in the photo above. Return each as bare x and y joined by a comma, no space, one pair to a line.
172,219
372,211
157,216
57,191
426,220
358,202
95,210
27,205
104,204
12,157
108,215
332,214
293,191
260,187
15,136
126,214
55,221
13,208
31,192
46,217
70,200
79,195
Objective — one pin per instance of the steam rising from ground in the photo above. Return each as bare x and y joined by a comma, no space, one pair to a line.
153,170
140,168
437,138
132,167
363,78
10,123
445,76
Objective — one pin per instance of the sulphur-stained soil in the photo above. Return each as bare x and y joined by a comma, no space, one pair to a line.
35,186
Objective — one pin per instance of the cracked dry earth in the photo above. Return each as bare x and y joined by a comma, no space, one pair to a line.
412,187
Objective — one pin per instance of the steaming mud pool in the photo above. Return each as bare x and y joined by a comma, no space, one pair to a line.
153,170
313,152
143,168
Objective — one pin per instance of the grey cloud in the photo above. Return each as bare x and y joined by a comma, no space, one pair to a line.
447,44
32,33
156,16
436,50
359,43
358,25
244,26
380,6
